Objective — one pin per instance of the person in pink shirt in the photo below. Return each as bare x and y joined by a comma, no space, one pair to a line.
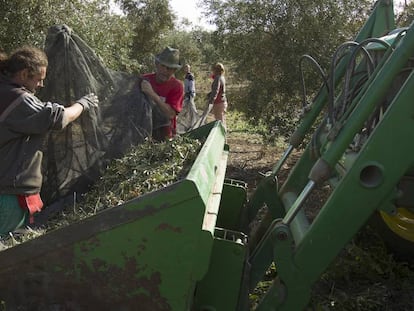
165,91
217,97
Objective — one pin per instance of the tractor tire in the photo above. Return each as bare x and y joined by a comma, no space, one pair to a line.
397,232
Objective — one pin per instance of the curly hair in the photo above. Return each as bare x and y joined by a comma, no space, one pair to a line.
26,57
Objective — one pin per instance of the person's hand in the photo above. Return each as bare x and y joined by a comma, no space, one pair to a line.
146,87
88,101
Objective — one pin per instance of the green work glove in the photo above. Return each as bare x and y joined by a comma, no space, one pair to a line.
88,101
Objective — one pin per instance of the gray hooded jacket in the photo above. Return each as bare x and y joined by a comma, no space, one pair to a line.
24,124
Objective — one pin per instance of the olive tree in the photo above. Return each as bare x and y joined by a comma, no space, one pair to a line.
27,22
406,15
264,40
150,21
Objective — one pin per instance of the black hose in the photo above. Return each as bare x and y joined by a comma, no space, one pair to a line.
350,71
320,70
331,98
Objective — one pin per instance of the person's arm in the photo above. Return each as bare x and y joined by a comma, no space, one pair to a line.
72,113
215,88
84,103
191,88
190,85
165,108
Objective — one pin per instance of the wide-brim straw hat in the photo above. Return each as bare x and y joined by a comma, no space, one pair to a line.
169,57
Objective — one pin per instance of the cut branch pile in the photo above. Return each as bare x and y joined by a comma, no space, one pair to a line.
145,168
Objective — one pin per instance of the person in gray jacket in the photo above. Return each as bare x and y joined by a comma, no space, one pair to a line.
25,122
188,116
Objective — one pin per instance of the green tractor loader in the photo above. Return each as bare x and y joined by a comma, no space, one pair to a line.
188,246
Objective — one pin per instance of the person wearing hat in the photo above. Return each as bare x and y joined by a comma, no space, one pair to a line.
165,91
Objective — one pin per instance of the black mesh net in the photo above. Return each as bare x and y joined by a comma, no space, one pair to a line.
188,117
76,156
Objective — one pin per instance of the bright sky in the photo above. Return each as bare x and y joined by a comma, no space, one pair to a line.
191,10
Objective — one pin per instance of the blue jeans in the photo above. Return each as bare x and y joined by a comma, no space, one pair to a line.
12,216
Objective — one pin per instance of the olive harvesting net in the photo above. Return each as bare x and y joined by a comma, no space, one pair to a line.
75,157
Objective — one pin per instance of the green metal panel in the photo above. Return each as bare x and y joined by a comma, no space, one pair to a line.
220,289
232,203
380,22
390,39
206,165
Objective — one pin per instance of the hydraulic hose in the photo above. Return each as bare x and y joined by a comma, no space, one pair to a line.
321,72
331,97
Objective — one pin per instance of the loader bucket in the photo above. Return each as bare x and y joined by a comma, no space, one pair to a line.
146,254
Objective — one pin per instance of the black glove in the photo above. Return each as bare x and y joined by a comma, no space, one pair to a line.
88,101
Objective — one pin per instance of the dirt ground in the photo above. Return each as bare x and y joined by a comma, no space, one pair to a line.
249,157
